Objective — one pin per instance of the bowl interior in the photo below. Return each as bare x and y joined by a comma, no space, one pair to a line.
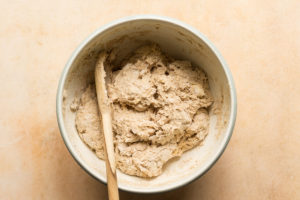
178,42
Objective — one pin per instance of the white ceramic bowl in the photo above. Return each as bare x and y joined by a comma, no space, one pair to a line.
178,40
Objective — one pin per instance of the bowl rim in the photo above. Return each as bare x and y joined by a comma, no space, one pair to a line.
233,98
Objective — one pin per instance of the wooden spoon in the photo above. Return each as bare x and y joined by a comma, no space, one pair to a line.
104,109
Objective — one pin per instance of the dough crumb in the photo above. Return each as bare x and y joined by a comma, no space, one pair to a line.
159,111
74,105
65,95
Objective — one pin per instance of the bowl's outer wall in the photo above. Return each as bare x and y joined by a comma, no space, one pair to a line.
180,41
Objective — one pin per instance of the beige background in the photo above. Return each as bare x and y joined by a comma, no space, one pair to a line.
260,41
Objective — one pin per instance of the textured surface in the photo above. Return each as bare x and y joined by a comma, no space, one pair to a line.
260,42
159,108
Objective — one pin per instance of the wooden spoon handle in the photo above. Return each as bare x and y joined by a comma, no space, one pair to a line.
104,108
109,143
112,184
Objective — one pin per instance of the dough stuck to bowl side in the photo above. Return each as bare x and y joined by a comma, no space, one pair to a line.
160,110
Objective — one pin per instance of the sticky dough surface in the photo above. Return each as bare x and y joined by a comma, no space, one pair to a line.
159,111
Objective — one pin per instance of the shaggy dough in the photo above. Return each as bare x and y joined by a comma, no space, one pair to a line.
159,111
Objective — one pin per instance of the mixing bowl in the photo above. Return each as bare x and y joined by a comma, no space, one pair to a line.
180,41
